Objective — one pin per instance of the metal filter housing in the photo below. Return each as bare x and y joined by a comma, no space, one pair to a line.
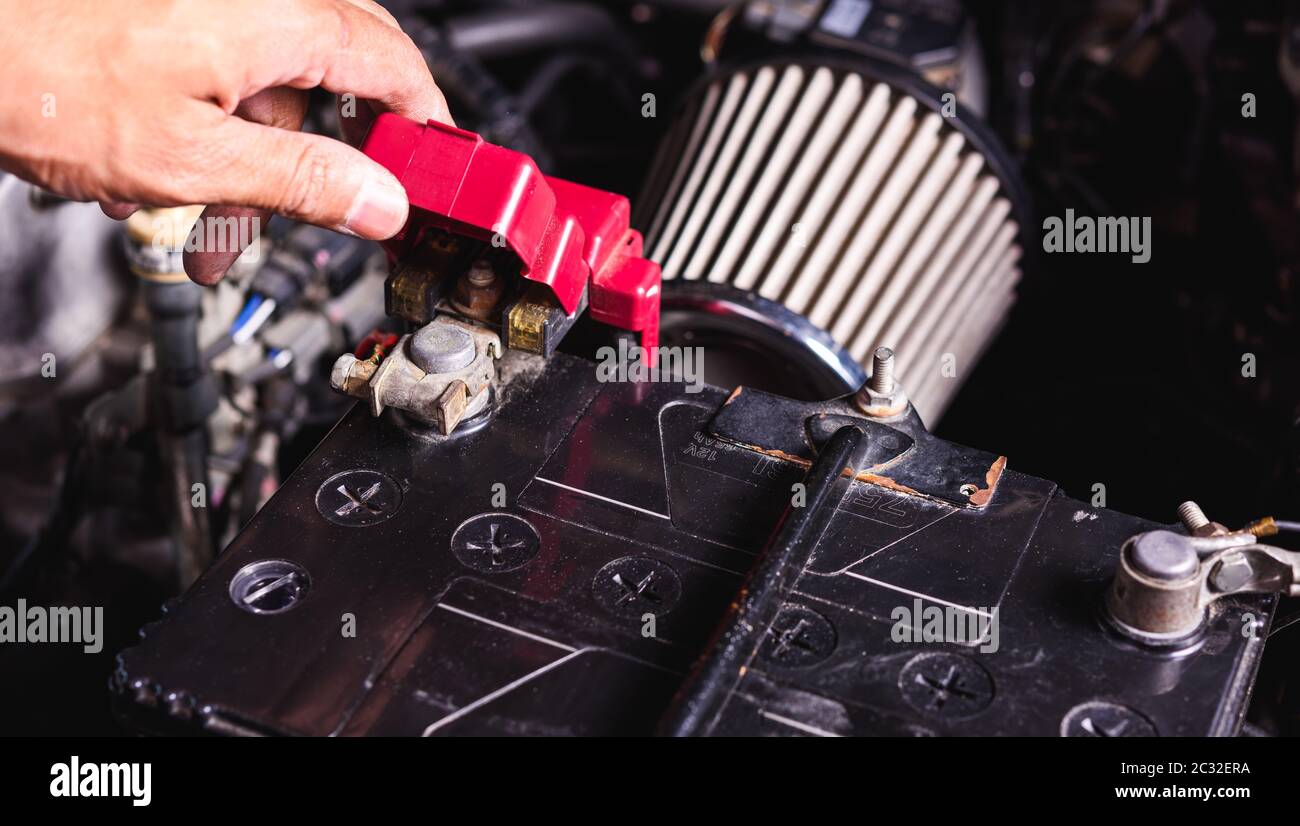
851,200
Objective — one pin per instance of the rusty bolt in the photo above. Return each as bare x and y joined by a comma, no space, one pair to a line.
478,291
481,273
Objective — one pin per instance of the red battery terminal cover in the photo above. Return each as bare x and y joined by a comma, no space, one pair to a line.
565,235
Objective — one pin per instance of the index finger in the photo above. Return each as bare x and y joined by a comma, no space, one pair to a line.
343,48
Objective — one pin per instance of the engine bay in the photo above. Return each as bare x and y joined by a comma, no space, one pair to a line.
895,368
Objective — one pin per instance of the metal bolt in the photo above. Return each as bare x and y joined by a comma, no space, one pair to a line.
441,348
478,291
481,273
882,396
798,637
946,685
271,586
882,370
1164,555
495,542
632,586
358,498
1232,573
1192,516
1101,719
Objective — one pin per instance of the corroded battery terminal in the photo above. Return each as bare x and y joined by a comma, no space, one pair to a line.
495,255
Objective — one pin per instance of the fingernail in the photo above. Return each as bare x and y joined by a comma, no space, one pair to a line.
380,208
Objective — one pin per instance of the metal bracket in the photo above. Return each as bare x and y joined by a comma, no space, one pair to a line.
911,462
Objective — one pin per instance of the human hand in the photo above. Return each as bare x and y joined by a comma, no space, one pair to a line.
173,102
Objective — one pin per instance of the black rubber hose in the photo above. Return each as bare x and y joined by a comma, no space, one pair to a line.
505,32
463,78
187,396
548,76
174,310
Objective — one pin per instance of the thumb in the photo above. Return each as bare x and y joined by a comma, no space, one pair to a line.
308,178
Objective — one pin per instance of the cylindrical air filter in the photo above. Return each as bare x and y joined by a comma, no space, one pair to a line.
851,200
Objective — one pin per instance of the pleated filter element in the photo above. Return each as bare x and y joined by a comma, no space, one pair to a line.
848,201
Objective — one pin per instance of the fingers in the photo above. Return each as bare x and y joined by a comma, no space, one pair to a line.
118,210
282,108
357,116
305,177
436,108
207,267
254,162
377,10
347,47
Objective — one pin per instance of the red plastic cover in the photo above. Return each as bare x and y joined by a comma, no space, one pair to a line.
565,235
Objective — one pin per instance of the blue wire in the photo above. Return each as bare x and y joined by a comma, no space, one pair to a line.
250,307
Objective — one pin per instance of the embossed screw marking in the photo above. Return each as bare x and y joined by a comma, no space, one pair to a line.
271,586
498,546
798,637
1102,719
635,585
495,542
946,685
358,498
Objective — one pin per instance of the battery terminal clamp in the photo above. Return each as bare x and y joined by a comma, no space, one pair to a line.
1166,581
495,252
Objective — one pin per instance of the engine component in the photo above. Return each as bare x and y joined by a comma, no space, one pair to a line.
470,199
47,255
756,342
155,241
418,283
478,291
482,215
309,255
440,374
934,39
845,192
184,391
1166,583
536,322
